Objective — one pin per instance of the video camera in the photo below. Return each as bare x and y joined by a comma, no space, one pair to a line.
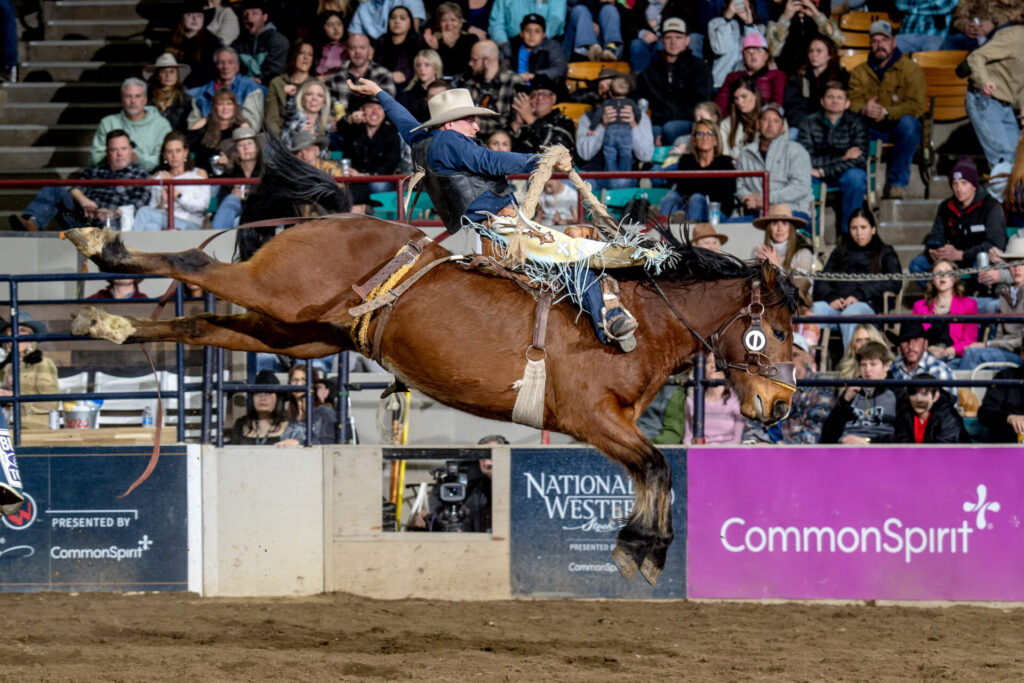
451,488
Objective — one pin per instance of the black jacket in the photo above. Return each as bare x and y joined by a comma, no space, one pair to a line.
944,426
827,143
722,190
972,229
1001,402
804,92
379,155
850,258
547,59
673,90
554,129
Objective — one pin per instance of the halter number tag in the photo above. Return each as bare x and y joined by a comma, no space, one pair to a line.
754,340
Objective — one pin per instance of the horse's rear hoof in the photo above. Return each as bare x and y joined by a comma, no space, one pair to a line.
89,241
92,322
627,560
649,570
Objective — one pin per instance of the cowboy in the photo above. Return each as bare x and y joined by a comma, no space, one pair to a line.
464,178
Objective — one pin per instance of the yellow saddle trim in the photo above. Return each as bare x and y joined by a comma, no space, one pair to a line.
363,322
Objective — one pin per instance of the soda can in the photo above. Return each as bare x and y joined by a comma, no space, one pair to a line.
714,213
346,166
54,419
983,259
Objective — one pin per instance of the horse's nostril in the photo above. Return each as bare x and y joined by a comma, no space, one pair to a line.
780,409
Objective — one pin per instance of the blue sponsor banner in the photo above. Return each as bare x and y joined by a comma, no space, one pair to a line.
566,504
74,534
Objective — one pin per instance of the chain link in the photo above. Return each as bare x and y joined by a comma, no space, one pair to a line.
876,277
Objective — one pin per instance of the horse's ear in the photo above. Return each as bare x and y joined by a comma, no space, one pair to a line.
769,275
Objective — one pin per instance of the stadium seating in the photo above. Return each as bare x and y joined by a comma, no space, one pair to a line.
945,100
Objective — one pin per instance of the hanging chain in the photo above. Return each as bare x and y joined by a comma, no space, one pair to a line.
875,277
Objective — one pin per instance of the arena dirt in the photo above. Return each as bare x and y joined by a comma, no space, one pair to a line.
105,637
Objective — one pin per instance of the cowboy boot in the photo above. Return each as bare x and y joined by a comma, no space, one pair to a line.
618,323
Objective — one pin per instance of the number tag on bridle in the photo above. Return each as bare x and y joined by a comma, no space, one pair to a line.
754,340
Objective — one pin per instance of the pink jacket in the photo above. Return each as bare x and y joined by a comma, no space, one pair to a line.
963,334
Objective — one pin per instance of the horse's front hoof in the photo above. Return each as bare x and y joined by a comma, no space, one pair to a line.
652,565
92,322
89,241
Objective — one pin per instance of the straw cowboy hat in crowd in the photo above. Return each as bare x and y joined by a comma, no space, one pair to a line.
304,139
702,230
452,105
779,212
1014,249
163,61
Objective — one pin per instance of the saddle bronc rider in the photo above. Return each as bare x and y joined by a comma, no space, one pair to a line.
464,178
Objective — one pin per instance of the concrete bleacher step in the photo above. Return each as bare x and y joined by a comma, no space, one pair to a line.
38,157
29,134
79,71
107,90
904,232
71,10
95,28
15,200
54,113
90,50
909,210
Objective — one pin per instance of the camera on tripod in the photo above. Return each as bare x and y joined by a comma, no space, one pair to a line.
450,485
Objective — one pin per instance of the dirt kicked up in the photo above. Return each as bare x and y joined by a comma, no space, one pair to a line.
178,637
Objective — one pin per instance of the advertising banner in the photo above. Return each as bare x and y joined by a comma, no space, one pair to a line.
74,534
899,523
566,509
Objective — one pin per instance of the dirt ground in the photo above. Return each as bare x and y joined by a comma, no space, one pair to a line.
110,637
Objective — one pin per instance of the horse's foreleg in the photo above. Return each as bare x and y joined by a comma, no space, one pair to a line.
243,332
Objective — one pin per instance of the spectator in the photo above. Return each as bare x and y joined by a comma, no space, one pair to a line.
223,22
647,42
537,123
672,425
244,160
507,17
727,36
620,115
343,8
862,334
975,20
860,251
78,206
491,86
145,126
837,141
37,373
247,91
805,89
808,408
307,108
1002,346
298,70
266,422
787,162
863,415
295,410
396,48
946,296
121,288
800,22
925,24
194,45
581,40
262,49
332,51
477,14
310,150
371,17
499,141
705,237
190,201
706,156
740,129
208,135
558,203
325,390
592,127
165,78
360,64
889,90
723,421
532,53
771,83
783,246
674,83
427,69
453,45
9,63
928,415
967,224
372,142
1002,410
914,358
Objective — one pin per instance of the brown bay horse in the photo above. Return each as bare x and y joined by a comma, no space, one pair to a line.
461,336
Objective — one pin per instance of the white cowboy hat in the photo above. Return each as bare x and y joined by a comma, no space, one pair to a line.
1014,248
163,61
452,105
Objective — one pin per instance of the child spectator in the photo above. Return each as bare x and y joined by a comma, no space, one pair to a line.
863,415
332,51
928,415
558,203
862,334
705,237
618,126
532,53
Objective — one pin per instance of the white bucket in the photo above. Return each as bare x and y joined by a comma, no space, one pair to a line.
81,419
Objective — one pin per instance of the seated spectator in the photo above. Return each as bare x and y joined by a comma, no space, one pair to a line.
81,206
946,296
783,246
889,90
740,127
806,88
787,162
862,334
267,422
248,92
306,108
295,410
537,123
727,36
372,142
837,141
967,224
297,70
371,18
507,18
332,51
648,41
808,408
208,135
914,358
706,156
190,201
771,83
864,415
499,141
325,390
723,421
426,69
143,123
592,128
581,39
673,84
975,20
244,160
925,24
705,237
800,22
194,45
558,204
532,53
397,47
121,288
310,150
446,36
37,373
262,49
165,78
928,415
223,22
860,251
1002,346
1002,409
491,86
620,115
360,64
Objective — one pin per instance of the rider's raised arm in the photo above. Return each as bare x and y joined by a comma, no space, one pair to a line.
403,120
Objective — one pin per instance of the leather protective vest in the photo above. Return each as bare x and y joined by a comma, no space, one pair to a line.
453,194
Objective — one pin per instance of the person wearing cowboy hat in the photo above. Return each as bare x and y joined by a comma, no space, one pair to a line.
705,236
308,149
145,126
244,161
783,246
36,373
914,358
465,179
535,122
1003,346
166,90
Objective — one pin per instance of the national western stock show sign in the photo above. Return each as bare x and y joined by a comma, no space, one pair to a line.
902,523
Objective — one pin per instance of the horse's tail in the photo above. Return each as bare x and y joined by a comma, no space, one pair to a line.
288,186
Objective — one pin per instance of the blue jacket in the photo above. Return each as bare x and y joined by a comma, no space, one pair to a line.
242,87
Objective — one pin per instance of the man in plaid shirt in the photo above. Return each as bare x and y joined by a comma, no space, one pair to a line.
80,206
925,25
915,359
491,87
360,64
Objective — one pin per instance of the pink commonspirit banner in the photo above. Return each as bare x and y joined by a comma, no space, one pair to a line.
899,523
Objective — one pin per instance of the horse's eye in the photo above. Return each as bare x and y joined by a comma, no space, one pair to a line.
779,334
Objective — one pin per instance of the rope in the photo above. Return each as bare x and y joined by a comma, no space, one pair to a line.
363,322
549,157
876,277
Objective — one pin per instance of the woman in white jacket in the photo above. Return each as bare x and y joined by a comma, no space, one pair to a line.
190,201
726,34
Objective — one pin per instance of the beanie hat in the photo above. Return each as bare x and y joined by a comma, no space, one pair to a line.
965,169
